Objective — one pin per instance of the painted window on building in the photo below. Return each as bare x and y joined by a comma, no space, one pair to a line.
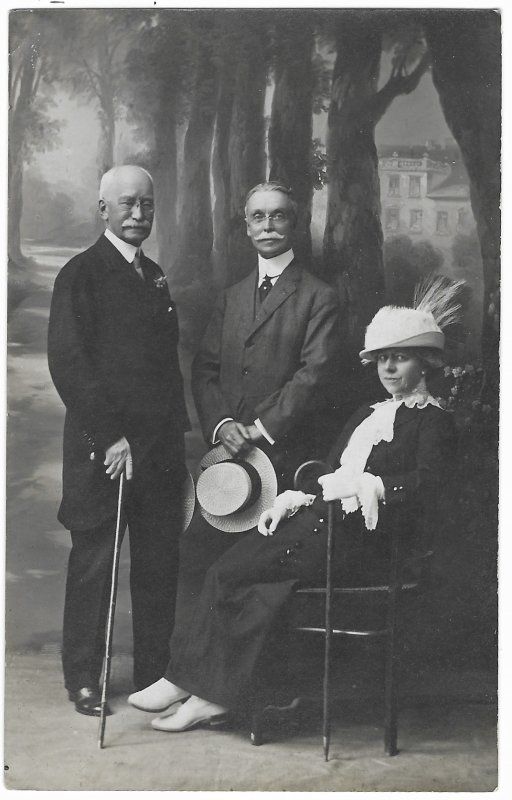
394,186
392,219
442,222
462,219
416,220
414,186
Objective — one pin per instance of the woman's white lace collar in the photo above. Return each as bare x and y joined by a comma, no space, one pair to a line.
419,399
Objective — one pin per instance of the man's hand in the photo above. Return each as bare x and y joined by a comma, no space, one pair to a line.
338,485
116,457
270,519
235,437
254,433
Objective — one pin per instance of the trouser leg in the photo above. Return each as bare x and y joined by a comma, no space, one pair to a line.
154,521
86,605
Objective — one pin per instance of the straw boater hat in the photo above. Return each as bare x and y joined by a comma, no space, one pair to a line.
233,492
418,327
189,501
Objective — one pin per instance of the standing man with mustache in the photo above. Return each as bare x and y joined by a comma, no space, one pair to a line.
270,353
112,351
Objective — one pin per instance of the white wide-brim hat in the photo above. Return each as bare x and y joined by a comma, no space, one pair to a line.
232,492
395,326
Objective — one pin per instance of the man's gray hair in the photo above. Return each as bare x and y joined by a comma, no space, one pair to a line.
108,177
272,186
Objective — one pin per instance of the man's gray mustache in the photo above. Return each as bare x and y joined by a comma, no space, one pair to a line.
269,236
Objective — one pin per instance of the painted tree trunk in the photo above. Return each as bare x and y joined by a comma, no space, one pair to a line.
165,176
195,216
221,174
246,153
15,202
291,126
466,73
106,112
353,234
21,99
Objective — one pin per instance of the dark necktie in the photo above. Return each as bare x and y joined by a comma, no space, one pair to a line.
137,265
264,289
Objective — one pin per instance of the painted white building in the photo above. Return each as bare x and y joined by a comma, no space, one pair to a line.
419,199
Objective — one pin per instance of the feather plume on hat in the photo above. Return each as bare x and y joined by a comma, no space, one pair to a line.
434,307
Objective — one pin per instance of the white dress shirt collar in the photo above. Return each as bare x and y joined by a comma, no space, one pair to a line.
126,249
273,267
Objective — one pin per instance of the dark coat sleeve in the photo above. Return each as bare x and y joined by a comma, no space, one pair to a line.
305,391
210,403
69,358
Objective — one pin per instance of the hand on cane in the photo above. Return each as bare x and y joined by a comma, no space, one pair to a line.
117,457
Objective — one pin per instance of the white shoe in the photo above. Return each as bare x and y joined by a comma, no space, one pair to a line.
158,696
191,714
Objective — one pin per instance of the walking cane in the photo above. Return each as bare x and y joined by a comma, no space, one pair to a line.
299,475
328,629
111,610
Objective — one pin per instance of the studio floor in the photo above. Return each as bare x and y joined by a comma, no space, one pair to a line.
447,740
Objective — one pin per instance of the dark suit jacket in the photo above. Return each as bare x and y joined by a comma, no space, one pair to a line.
276,366
112,352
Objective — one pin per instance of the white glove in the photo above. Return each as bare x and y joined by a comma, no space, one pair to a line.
285,505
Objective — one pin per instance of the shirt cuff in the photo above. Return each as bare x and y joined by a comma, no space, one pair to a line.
381,492
263,431
217,428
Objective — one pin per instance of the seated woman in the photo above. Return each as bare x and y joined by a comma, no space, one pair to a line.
389,453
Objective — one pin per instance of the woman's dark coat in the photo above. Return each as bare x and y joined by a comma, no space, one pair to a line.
230,597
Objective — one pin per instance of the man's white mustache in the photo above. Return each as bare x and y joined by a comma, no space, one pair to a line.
262,236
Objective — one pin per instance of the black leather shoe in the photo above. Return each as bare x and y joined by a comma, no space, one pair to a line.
88,701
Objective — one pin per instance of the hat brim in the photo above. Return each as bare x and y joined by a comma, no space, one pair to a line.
433,339
247,518
189,501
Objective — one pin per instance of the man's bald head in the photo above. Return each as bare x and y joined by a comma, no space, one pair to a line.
109,178
126,202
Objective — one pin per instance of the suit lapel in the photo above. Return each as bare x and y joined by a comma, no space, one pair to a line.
117,263
244,309
284,287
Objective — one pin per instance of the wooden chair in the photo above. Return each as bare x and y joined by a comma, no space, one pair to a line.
387,595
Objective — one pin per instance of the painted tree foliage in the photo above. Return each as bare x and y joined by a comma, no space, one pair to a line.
218,99
95,47
33,45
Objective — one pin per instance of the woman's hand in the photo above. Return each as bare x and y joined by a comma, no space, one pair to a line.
338,485
270,519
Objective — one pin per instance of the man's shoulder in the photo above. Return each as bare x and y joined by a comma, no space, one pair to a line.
81,263
312,282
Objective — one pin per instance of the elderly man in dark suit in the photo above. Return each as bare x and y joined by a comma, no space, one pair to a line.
112,351
265,369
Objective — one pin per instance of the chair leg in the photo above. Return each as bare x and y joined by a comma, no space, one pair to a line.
391,699
256,728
